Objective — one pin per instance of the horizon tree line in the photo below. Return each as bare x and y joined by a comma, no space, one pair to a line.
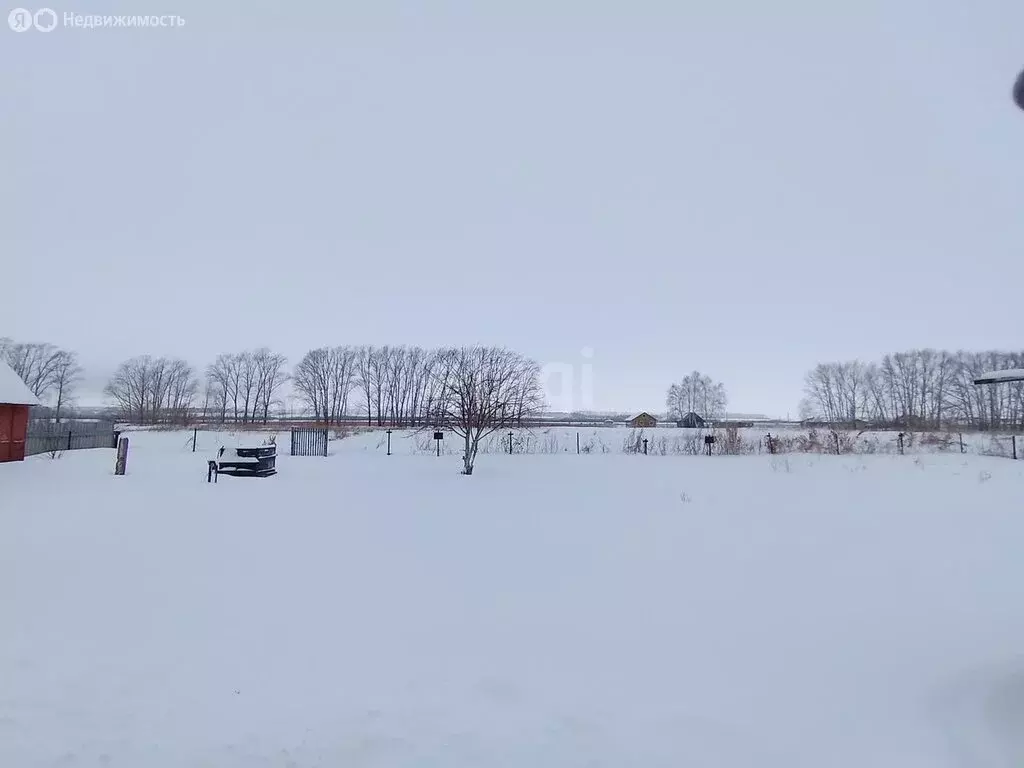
916,389
403,386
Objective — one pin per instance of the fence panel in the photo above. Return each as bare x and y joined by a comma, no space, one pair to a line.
48,437
309,442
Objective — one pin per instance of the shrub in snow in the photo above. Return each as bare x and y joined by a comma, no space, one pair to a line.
691,444
634,442
731,443
550,443
933,440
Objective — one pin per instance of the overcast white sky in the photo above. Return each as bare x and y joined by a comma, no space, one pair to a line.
745,188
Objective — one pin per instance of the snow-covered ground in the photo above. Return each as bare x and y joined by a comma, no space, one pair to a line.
552,610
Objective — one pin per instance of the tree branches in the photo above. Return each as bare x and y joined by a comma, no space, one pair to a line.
151,390
50,372
698,394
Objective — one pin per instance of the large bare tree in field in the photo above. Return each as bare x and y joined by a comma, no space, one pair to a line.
482,390
697,393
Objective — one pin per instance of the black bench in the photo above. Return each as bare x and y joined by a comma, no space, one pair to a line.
247,462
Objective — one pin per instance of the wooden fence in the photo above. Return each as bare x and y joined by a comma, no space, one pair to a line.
49,437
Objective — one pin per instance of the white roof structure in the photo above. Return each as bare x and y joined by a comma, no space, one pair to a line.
998,377
14,391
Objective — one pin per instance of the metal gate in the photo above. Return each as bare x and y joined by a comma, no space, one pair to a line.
309,442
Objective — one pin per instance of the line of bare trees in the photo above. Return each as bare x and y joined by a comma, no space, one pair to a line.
389,385
50,372
152,390
246,384
469,391
149,390
919,389
399,386
402,386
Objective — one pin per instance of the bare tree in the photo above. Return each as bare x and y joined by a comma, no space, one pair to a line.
214,400
151,390
342,380
36,363
482,390
324,379
698,394
225,372
66,378
311,379
270,376
128,387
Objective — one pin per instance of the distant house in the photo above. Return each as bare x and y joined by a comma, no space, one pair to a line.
692,421
642,420
15,401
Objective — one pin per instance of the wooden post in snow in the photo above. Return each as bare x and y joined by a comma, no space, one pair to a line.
122,456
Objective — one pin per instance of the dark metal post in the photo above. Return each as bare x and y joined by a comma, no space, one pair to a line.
900,437
389,442
1014,439
645,446
510,442
961,442
325,442
195,438
438,441
771,445
577,443
836,435
69,439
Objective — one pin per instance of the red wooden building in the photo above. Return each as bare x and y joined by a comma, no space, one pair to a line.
15,401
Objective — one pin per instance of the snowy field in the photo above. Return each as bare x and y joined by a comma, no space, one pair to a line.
550,611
